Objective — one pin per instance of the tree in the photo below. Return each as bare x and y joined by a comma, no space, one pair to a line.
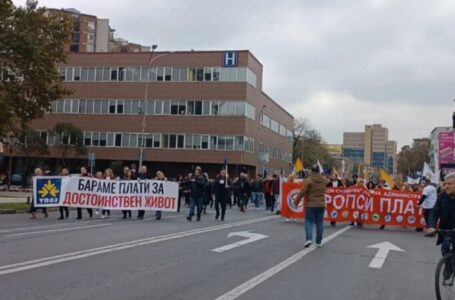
32,42
412,159
69,139
30,142
309,145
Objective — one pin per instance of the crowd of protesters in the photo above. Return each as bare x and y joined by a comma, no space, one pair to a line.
197,191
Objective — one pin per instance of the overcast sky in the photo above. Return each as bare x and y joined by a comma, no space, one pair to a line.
340,64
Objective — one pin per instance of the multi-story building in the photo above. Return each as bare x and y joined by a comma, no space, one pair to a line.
371,147
194,108
353,146
91,34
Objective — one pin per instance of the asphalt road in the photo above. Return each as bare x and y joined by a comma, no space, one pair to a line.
173,259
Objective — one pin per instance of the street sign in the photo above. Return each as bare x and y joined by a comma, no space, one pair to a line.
251,237
383,251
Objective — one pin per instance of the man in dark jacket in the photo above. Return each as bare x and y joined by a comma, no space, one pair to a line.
334,182
198,184
244,191
142,175
221,191
313,190
444,210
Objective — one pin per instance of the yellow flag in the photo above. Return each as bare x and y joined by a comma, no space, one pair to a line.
298,165
334,171
383,175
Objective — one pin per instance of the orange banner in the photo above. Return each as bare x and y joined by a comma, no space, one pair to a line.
381,207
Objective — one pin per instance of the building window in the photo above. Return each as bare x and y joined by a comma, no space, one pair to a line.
166,107
90,106
189,141
96,139
118,140
213,142
152,74
97,107
198,107
75,106
196,141
158,107
216,74
82,106
104,106
206,108
204,142
221,143
192,74
207,74
114,73
174,107
199,74
156,140
215,106
168,74
172,141
159,74
165,140
229,143
180,141
110,139
77,74
190,107
88,139
120,106
69,74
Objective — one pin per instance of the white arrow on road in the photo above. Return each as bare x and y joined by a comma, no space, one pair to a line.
383,250
251,237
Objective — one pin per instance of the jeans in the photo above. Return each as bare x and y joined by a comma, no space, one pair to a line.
428,214
256,197
198,203
314,215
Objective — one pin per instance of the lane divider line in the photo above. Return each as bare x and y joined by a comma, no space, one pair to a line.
255,281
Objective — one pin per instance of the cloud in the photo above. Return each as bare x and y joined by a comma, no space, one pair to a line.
377,61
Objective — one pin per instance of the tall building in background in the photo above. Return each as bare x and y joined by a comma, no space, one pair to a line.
371,147
353,146
91,34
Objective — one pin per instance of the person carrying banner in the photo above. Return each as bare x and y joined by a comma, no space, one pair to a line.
257,190
84,173
334,183
197,185
108,175
142,175
159,176
38,172
313,190
221,190
64,209
276,193
127,175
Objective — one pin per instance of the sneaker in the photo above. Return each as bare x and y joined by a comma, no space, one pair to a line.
287,219
97,212
308,244
188,218
318,245
102,217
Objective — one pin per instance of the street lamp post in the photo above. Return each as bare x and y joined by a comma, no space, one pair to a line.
257,138
140,110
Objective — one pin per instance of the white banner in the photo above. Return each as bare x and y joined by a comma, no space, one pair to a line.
49,191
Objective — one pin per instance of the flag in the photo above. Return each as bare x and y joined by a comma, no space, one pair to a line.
226,168
366,175
359,169
411,180
298,167
321,169
383,175
334,171
427,172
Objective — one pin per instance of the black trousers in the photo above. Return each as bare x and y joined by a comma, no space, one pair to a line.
243,201
33,208
220,199
65,209
79,212
140,214
126,213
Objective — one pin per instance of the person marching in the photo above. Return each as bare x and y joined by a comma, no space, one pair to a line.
244,191
198,182
108,175
334,183
159,176
313,190
38,172
221,190
142,175
64,172
84,173
127,175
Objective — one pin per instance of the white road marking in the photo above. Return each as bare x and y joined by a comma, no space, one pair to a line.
46,261
255,281
251,237
57,230
49,225
383,251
